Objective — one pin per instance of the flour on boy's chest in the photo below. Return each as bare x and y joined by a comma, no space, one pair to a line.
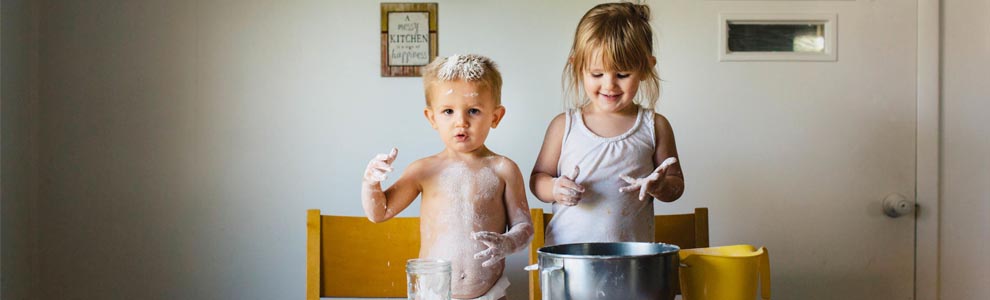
461,183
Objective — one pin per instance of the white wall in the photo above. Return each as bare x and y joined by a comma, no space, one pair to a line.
965,199
182,141
19,151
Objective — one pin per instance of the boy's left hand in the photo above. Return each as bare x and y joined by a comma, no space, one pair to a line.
499,246
649,182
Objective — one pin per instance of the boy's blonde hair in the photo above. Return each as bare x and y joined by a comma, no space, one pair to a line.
621,31
474,68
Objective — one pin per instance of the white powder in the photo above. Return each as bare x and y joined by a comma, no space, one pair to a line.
435,286
450,91
667,162
464,188
471,95
467,67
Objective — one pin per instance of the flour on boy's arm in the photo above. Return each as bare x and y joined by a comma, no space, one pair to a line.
520,225
373,199
380,205
379,167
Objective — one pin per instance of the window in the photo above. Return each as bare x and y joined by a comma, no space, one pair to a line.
798,37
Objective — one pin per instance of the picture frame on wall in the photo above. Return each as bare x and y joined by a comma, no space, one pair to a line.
409,38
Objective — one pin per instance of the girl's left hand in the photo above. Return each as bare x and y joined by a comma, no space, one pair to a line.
649,182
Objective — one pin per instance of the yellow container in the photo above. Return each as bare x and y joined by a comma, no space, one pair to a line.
724,273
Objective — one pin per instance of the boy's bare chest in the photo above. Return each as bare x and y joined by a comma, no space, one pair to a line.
465,198
462,183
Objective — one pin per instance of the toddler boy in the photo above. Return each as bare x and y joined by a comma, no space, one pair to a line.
474,211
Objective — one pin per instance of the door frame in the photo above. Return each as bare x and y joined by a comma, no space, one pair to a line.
927,160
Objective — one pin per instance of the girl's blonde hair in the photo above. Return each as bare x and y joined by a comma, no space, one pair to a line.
622,34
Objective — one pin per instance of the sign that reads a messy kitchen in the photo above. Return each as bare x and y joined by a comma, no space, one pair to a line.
408,38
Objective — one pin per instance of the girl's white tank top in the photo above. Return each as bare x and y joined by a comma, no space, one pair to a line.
604,214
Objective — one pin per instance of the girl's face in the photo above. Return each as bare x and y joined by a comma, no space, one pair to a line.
610,90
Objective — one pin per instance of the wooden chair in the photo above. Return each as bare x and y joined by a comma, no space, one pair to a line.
684,230
352,257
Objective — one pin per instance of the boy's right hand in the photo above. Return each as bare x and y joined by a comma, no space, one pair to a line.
566,191
379,167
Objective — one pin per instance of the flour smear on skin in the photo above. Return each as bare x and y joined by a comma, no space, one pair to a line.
464,187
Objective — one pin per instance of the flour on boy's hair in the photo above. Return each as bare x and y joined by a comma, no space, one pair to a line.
467,67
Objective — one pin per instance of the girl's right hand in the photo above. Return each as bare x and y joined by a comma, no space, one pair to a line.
379,167
566,191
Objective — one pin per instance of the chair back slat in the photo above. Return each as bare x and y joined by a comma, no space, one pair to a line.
358,258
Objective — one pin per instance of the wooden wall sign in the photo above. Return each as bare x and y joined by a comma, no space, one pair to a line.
409,38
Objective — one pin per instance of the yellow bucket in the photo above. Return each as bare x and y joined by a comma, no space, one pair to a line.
724,273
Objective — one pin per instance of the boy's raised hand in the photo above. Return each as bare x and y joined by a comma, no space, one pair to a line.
499,246
566,191
650,181
379,167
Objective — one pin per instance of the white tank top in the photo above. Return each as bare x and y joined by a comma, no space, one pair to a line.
604,214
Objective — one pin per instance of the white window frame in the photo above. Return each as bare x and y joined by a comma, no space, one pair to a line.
828,20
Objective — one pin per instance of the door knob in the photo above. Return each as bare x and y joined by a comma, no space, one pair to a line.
896,205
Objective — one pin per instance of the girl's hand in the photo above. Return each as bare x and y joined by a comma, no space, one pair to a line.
379,167
566,191
649,182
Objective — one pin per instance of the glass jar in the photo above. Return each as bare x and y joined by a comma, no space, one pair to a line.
428,279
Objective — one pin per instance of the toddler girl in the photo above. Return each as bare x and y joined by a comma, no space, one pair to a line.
606,158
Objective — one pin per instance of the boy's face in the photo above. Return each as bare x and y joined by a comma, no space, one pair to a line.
462,113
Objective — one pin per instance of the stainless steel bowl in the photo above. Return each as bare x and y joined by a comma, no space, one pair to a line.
615,271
